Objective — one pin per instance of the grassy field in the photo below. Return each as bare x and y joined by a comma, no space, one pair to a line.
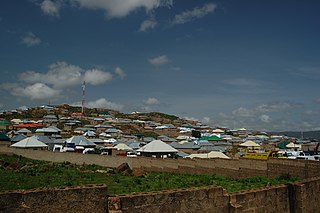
23,173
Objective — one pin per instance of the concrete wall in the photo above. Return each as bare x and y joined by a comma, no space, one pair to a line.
236,168
204,199
305,196
73,200
266,200
300,197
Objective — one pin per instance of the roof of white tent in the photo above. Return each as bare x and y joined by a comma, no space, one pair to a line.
24,130
30,142
122,146
292,145
157,146
217,131
80,141
212,154
249,144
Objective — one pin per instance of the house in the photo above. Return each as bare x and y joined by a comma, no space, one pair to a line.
47,131
4,139
17,138
80,141
4,125
212,154
157,149
25,131
30,143
113,132
187,147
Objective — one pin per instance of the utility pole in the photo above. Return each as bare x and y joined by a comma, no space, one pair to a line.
83,96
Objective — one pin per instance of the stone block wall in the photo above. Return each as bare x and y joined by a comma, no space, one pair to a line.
266,200
236,168
299,197
305,196
202,199
74,200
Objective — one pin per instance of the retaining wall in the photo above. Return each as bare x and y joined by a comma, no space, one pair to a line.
236,168
74,200
299,197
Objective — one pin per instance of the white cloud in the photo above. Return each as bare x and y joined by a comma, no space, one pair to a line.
196,13
37,91
206,120
63,75
276,107
9,86
243,112
50,7
307,72
311,112
263,108
241,82
120,72
152,101
121,8
190,118
147,24
105,104
31,40
159,60
96,77
265,118
176,68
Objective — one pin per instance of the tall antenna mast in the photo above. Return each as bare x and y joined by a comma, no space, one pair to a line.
83,97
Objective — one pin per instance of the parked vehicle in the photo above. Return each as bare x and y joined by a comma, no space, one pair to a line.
131,154
260,155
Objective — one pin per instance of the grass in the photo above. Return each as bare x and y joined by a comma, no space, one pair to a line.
29,174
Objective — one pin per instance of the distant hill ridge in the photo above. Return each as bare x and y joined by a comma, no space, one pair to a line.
295,134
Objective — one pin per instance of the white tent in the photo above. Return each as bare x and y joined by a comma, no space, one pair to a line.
90,133
24,130
182,137
122,146
212,154
80,141
219,131
292,145
249,144
30,142
157,146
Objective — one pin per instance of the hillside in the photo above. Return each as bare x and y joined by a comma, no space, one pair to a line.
295,134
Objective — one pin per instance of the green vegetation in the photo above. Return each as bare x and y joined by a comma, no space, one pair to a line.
163,115
22,173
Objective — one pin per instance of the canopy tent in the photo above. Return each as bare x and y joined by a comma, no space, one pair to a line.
90,133
294,146
80,141
30,142
219,131
157,146
122,146
212,154
158,149
249,144
283,145
182,137
18,138
103,134
24,130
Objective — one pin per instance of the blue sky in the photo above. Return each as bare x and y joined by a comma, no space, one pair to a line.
231,63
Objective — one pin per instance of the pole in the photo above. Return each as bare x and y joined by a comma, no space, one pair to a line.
83,96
